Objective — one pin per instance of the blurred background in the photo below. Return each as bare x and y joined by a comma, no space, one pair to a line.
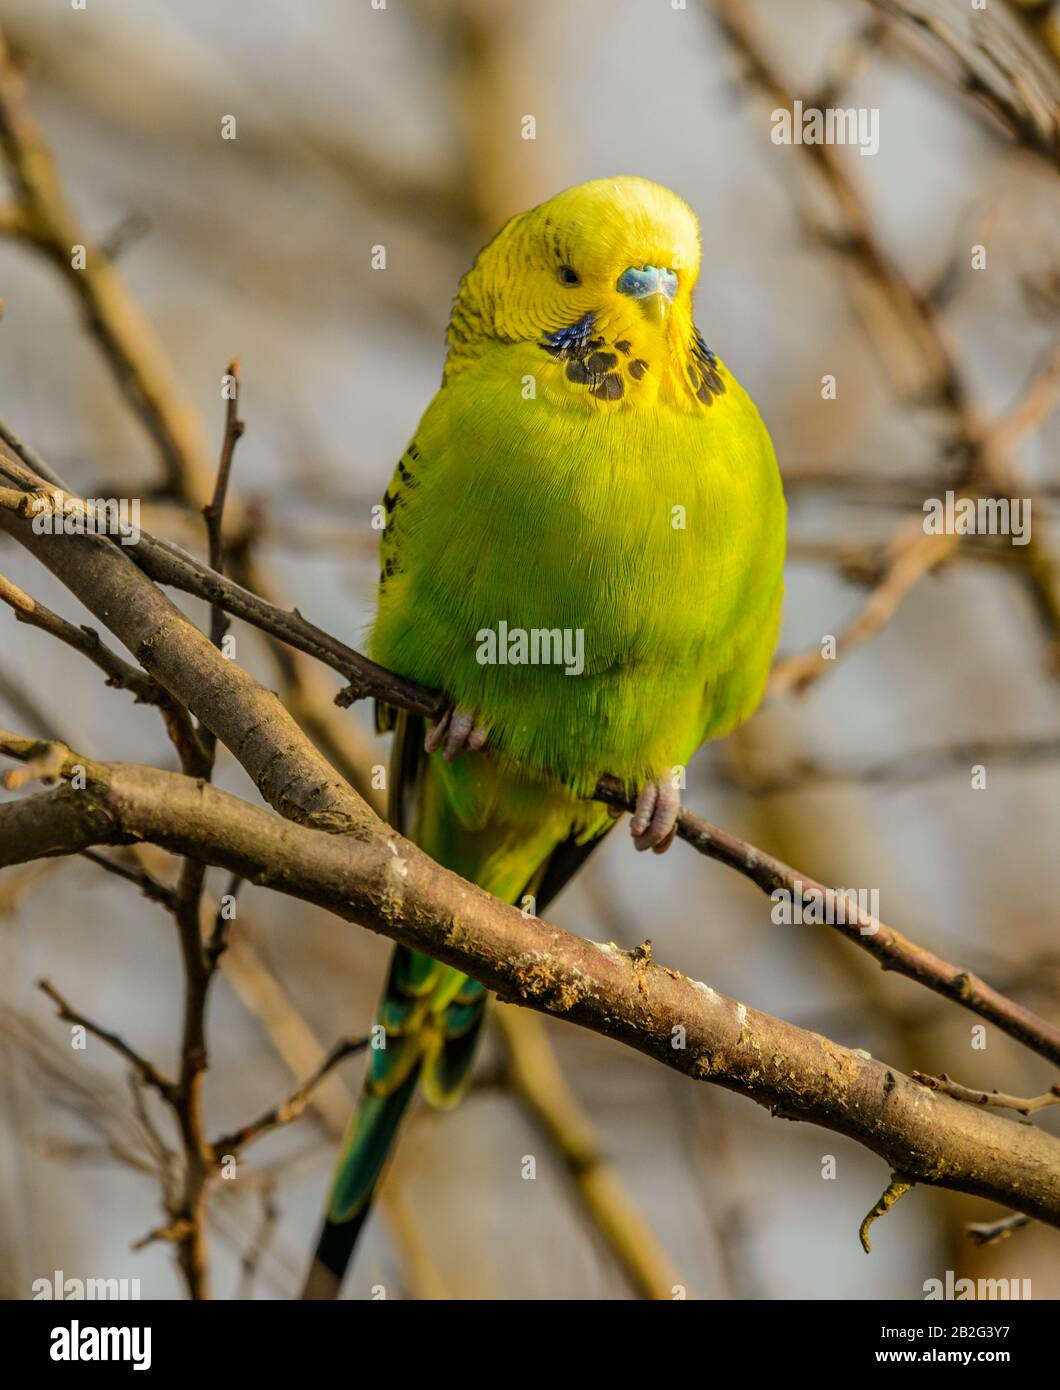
401,127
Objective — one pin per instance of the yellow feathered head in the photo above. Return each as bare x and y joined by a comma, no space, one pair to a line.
607,265
588,249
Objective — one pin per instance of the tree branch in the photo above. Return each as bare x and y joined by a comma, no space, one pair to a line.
292,1107
145,1070
972,1096
388,885
282,762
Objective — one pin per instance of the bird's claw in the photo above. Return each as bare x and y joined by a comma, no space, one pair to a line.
456,730
654,822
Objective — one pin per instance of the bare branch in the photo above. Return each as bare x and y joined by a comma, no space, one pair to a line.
214,509
972,1096
385,883
537,1080
845,915
293,1106
46,222
101,572
1027,112
145,1070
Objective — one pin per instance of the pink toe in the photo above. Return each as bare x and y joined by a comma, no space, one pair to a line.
436,733
460,726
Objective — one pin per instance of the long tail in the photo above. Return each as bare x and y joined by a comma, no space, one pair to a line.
430,1015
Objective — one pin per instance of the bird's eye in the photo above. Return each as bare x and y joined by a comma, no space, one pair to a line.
568,276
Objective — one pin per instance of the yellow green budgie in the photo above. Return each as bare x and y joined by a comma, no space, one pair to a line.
583,548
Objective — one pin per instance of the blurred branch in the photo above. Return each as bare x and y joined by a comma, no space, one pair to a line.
145,1070
46,222
537,1080
1013,89
905,328
265,998
80,1089
293,1107
917,765
994,1232
911,554
252,1256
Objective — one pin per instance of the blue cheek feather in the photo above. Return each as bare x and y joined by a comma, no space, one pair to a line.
569,340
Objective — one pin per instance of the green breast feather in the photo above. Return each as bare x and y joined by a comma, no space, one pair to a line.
657,537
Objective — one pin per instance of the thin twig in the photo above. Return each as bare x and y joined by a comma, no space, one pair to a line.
218,942
293,1106
844,914
148,886
972,1096
145,1070
214,509
168,564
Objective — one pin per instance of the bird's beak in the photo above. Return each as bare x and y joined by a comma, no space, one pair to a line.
654,307
653,289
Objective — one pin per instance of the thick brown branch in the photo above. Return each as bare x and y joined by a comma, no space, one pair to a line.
388,885
251,721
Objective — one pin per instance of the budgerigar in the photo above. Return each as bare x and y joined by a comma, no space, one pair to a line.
583,548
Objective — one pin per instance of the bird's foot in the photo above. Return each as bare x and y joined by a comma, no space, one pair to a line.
456,730
654,822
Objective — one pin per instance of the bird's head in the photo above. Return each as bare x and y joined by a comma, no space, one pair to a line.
600,278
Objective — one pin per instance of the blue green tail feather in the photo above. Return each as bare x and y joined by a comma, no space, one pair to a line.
432,1014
